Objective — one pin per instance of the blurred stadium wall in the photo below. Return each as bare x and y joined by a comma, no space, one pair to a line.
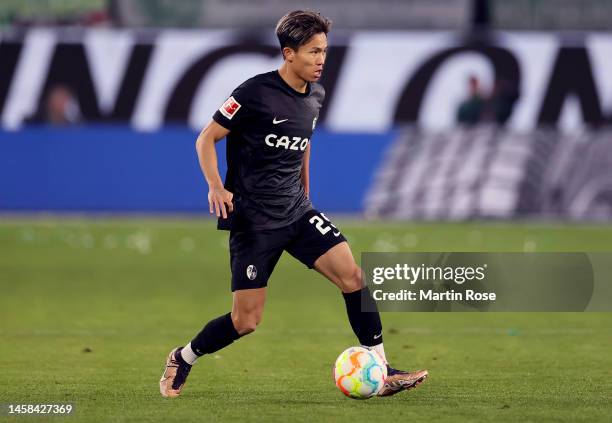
139,79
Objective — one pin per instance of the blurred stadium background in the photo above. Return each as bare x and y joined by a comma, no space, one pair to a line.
459,125
446,109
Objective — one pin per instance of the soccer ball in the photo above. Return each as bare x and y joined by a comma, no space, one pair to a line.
360,372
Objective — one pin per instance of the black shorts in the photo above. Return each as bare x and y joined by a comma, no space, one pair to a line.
253,254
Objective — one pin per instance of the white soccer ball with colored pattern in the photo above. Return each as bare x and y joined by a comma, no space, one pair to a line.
360,372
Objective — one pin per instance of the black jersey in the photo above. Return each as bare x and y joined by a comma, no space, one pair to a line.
270,127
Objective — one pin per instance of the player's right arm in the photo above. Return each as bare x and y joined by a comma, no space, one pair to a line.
218,196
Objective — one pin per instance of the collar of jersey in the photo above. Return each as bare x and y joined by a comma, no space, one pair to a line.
290,88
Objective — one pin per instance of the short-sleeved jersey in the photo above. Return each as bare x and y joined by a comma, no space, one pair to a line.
270,127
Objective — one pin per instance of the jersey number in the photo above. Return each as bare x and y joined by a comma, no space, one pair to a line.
322,226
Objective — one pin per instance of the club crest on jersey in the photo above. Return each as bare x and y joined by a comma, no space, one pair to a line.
251,272
230,107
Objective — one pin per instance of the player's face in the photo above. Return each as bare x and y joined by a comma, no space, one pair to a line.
307,62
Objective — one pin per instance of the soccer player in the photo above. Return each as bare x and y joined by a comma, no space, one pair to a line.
268,122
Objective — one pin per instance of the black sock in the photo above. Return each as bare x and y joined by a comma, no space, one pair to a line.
366,325
217,334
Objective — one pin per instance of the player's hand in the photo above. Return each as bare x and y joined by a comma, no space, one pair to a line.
218,199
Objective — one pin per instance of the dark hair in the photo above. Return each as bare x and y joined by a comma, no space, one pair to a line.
296,28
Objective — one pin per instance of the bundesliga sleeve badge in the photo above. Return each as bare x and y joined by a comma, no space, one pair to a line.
230,107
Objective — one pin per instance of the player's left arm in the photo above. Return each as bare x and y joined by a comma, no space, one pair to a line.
306,171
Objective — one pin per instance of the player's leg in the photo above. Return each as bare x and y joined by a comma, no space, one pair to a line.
247,310
338,265
321,246
253,258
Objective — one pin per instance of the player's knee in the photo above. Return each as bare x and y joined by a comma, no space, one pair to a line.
246,328
352,281
246,323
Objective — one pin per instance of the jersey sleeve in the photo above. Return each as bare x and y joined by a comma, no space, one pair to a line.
236,111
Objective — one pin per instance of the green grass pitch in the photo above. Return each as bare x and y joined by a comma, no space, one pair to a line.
90,308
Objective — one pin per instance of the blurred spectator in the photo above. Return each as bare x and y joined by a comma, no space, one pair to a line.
500,104
479,107
60,108
470,111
